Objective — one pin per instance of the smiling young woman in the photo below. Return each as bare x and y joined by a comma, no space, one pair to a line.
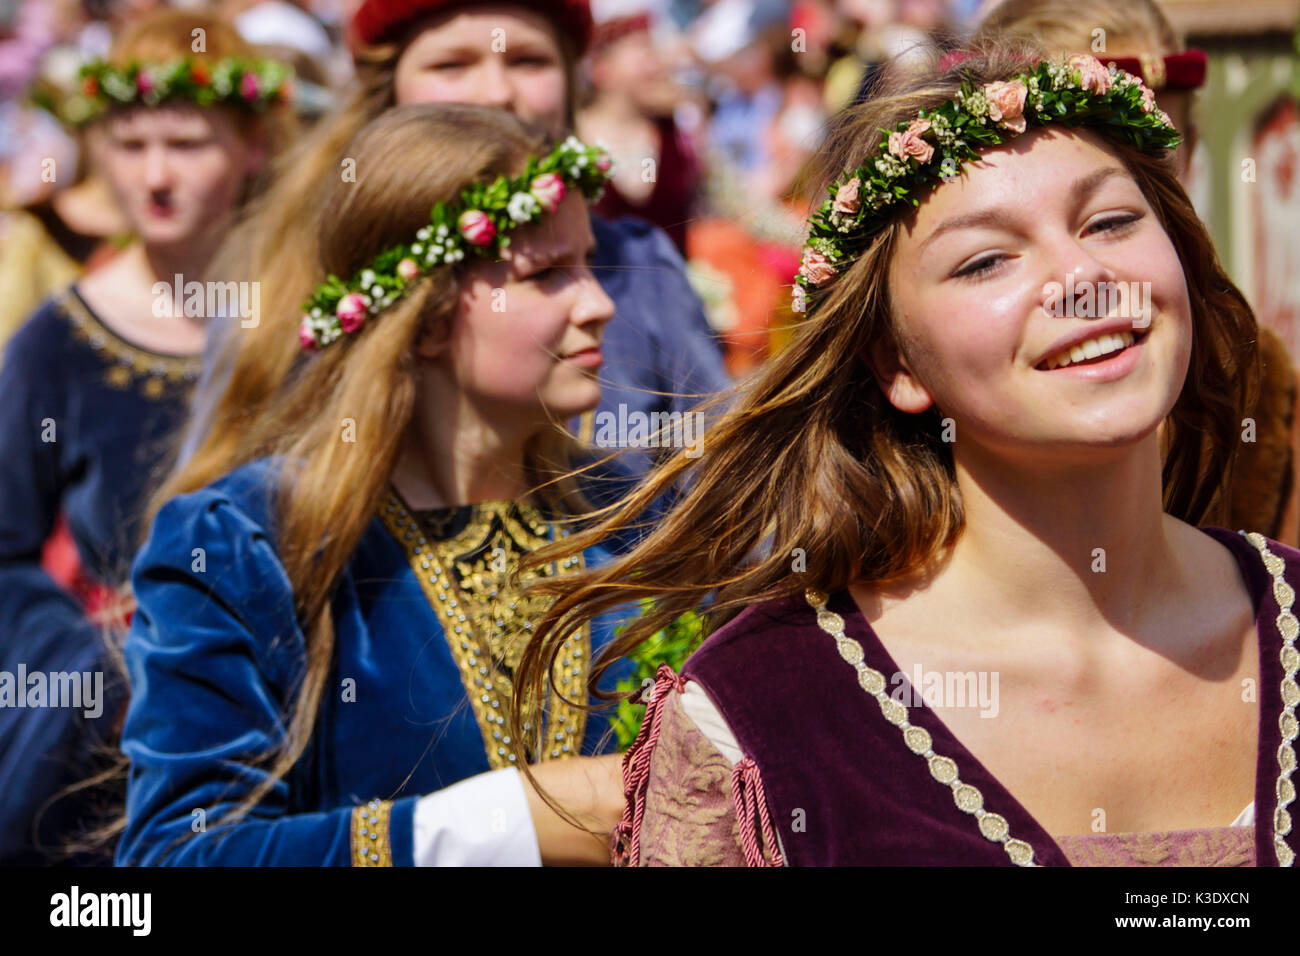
919,485
1264,493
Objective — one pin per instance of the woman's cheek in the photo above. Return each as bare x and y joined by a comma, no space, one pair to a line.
545,98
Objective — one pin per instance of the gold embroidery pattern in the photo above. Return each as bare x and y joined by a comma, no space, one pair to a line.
370,844
487,621
155,374
1288,626
992,826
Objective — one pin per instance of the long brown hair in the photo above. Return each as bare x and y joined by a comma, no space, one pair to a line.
810,458
270,246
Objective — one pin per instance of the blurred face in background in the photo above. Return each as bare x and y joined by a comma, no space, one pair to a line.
176,171
502,56
631,66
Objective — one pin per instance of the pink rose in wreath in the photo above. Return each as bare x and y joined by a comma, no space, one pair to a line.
909,142
1007,104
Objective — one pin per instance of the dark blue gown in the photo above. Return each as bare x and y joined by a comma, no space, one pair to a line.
413,702
85,424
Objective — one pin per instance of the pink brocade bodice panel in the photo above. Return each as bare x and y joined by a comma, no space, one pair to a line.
1212,846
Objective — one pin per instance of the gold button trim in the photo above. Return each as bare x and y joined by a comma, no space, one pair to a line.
370,845
1289,627
487,621
967,798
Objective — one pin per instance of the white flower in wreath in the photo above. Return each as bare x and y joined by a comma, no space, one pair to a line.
522,207
890,167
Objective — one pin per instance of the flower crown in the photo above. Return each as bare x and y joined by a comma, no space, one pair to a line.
924,152
234,81
478,220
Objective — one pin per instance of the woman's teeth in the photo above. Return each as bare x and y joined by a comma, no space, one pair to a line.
1091,349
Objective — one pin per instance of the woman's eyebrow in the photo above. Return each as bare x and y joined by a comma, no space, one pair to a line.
454,48
1079,190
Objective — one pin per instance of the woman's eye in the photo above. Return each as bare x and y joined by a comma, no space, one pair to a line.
446,66
981,267
1113,223
533,60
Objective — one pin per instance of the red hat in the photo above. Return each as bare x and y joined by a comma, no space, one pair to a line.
376,21
611,31
1176,71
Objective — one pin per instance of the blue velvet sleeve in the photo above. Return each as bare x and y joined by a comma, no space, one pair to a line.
213,654
692,358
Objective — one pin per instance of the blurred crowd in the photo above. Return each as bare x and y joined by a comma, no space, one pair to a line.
713,111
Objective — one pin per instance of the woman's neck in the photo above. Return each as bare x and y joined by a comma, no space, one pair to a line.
122,293
454,455
1070,546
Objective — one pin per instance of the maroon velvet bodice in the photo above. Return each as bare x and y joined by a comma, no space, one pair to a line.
841,783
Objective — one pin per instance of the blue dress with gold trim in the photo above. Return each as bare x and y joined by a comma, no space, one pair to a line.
85,422
427,633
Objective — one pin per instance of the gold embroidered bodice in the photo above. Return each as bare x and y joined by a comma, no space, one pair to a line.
153,374
465,558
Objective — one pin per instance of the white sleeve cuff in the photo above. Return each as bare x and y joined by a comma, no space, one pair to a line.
481,821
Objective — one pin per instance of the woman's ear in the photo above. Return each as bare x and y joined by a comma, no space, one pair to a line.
895,376
432,341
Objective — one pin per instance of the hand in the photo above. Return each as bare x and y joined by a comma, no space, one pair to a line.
589,789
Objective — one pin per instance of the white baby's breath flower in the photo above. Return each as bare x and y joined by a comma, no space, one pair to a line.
522,207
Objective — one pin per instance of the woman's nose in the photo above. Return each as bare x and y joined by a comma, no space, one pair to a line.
592,304
1066,293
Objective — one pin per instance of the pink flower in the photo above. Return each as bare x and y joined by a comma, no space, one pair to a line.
408,270
603,162
476,227
143,82
307,337
1093,75
248,87
1007,104
799,300
351,311
1164,118
1148,100
909,142
815,267
847,200
549,190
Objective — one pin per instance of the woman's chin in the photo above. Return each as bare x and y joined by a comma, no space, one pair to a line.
574,403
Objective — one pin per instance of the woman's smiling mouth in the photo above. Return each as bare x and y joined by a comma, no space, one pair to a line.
1100,358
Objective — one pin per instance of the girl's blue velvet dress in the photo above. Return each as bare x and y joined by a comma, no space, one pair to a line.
215,653
87,418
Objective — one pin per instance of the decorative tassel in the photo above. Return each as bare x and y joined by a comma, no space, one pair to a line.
626,839
751,803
